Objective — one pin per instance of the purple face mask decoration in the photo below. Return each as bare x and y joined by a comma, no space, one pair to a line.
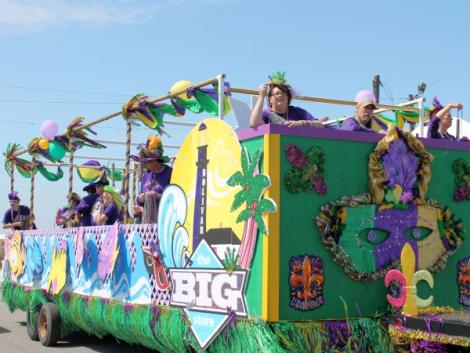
367,232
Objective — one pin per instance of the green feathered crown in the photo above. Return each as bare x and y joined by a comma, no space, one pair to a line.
278,77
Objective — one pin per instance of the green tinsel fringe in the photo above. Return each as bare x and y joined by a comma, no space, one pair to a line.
165,329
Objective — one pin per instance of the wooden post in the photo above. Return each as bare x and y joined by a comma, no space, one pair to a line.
126,170
31,201
134,184
69,211
12,176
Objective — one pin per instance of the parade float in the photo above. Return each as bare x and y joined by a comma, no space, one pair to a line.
272,239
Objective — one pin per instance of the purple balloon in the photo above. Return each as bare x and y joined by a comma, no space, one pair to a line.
365,94
49,129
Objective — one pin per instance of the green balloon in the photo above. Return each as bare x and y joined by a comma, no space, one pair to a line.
56,151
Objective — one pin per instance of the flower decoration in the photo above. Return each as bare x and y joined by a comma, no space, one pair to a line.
307,170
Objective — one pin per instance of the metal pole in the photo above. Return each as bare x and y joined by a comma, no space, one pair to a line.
126,172
421,117
220,89
376,87
112,174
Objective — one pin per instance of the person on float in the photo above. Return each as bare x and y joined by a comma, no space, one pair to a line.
364,114
98,207
63,219
83,210
279,110
156,177
17,217
441,121
112,211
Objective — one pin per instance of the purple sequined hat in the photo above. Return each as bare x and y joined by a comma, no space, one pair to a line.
13,195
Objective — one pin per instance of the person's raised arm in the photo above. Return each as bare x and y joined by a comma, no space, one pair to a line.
256,118
11,225
447,108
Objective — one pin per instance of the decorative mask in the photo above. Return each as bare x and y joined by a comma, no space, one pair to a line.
366,232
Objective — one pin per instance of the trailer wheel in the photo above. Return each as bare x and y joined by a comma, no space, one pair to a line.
32,324
49,324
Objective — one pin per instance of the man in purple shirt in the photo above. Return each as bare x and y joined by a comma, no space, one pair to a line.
18,217
155,179
362,119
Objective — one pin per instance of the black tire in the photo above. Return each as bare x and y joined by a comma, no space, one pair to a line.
49,324
32,324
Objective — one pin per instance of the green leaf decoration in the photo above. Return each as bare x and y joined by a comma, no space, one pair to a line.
245,161
253,187
256,187
238,200
244,215
261,223
254,162
235,179
266,205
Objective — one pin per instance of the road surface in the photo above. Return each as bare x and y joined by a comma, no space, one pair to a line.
14,339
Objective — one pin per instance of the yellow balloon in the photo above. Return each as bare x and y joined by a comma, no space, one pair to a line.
179,86
43,144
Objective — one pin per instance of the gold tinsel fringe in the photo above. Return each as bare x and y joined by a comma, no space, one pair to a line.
406,336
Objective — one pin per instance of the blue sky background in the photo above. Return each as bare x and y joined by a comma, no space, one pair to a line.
89,57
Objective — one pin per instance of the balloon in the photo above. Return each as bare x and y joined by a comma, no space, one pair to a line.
365,94
49,129
43,144
56,151
179,86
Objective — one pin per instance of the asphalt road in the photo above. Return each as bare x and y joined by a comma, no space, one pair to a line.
14,339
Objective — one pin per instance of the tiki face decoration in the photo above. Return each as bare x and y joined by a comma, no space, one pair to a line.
366,232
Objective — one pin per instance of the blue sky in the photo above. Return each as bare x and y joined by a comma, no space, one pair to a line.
86,58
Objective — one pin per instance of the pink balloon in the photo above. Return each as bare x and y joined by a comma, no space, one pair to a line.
365,94
49,129
395,275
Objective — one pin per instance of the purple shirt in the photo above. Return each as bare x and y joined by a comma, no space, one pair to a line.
84,209
13,217
293,113
113,214
433,131
351,124
155,181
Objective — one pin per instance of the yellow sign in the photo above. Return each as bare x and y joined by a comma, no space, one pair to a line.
209,155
